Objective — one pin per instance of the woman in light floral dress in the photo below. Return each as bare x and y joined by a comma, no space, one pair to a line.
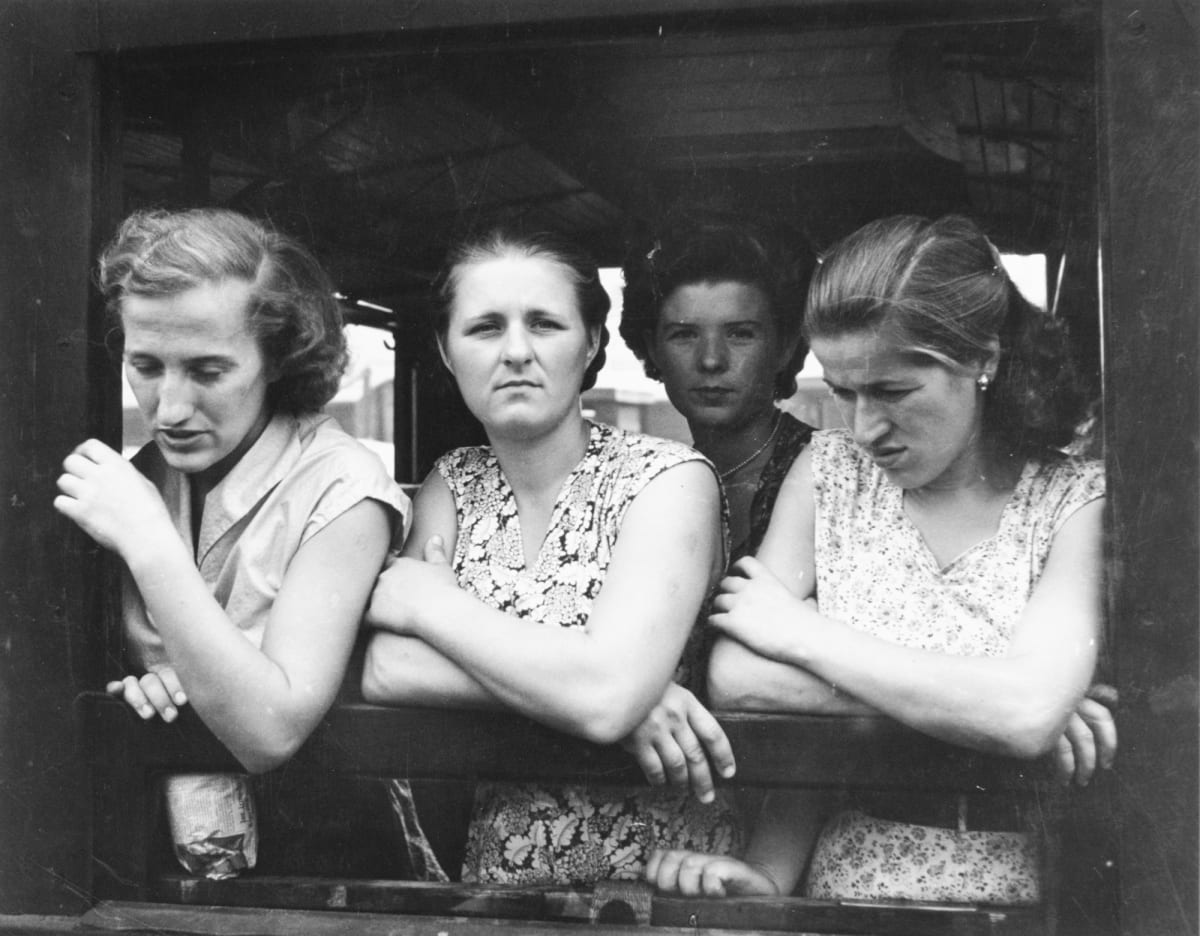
557,571
955,553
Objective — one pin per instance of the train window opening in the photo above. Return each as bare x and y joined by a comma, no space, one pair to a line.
379,160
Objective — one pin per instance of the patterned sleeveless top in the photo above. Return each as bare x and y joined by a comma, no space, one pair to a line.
875,573
526,833
870,557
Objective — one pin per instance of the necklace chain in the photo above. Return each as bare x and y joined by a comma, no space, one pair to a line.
729,473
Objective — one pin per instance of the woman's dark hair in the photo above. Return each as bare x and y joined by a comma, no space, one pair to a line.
938,288
509,242
292,311
693,250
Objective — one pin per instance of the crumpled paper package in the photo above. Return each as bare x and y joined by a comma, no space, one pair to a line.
213,824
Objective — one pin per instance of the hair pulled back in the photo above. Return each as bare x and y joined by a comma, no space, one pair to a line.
292,311
938,288
506,241
692,250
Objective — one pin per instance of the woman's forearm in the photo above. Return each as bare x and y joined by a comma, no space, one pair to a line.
741,680
572,679
598,678
407,671
263,702
786,832
1007,705
236,690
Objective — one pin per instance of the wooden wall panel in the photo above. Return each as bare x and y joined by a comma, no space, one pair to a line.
47,113
1150,242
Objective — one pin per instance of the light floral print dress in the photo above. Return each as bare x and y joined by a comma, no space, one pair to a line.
528,833
875,573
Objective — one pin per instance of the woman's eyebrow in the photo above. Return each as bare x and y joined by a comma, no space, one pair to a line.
210,359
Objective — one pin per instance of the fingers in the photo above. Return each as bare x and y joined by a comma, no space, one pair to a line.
710,733
731,585
685,872
691,876
76,465
719,620
650,875
1083,747
94,451
1104,694
147,696
694,874
435,551
648,760
676,742
159,696
1064,760
171,683
135,698
66,505
683,756
1099,720
745,568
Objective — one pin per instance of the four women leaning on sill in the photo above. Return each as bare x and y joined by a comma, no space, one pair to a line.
559,571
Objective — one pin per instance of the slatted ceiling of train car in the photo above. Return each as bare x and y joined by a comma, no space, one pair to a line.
1014,110
711,88
404,167
380,160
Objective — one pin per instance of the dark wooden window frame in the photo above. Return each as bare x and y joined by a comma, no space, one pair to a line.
59,193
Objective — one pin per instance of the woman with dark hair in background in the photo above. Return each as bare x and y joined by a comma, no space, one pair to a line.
955,553
557,571
712,308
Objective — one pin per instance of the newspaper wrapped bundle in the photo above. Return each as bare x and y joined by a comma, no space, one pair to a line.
213,825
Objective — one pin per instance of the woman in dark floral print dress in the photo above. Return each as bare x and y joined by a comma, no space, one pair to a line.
557,571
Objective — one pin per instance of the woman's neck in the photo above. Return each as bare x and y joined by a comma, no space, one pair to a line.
203,482
734,450
536,467
984,472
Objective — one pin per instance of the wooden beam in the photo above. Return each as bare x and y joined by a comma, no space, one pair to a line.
773,750
48,156
136,24
687,917
1150,229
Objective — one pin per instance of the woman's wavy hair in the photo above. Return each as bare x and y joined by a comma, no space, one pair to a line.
292,313
509,241
697,249
938,288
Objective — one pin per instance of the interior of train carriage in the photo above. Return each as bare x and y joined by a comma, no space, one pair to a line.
380,150
379,155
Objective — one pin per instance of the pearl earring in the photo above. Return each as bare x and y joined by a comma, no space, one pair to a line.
983,381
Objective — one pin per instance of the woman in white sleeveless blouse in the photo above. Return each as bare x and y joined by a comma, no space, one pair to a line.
938,562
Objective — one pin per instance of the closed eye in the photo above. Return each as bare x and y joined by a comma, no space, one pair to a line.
483,327
207,375
892,394
144,367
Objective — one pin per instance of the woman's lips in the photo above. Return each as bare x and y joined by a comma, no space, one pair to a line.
887,458
712,396
179,438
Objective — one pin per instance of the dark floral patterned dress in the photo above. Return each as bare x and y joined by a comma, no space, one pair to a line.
794,435
527,833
